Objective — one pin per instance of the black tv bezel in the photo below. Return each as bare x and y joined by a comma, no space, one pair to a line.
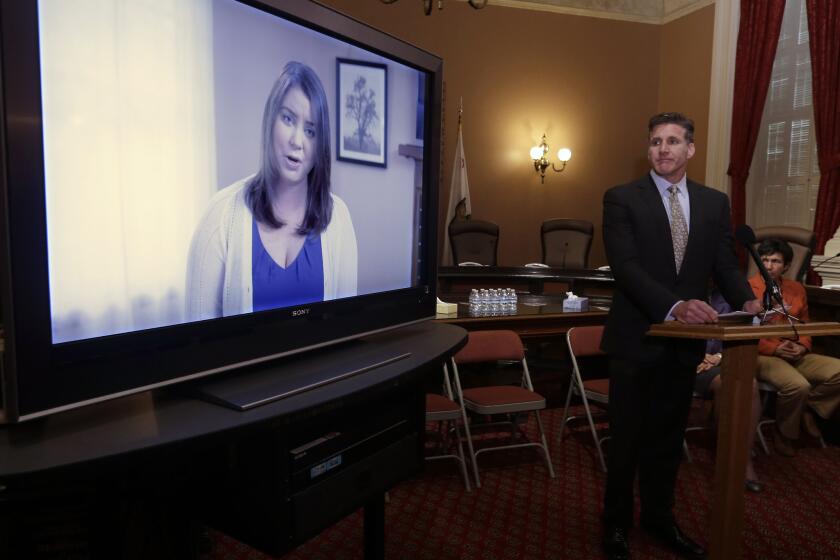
40,378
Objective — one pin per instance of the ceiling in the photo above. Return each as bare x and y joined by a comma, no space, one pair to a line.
644,11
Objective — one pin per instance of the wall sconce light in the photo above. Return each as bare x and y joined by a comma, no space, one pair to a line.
541,163
427,4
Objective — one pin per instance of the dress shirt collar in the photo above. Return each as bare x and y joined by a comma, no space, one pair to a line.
662,185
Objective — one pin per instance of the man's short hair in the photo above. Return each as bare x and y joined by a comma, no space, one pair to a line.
770,246
673,118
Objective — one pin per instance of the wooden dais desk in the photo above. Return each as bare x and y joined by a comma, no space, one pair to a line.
536,317
460,279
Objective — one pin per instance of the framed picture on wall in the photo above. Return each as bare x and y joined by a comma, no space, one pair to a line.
361,112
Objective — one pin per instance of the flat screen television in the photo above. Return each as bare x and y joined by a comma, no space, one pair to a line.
194,187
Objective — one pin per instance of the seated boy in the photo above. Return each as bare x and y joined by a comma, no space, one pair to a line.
807,383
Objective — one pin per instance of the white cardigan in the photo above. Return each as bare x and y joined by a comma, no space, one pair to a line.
219,275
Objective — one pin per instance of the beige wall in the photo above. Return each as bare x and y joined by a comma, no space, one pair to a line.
589,83
685,76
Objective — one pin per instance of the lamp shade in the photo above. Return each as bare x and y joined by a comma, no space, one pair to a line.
564,154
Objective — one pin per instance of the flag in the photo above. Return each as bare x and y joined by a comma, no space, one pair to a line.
459,197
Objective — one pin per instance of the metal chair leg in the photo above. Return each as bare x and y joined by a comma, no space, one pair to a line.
462,460
565,411
760,434
544,444
594,433
460,394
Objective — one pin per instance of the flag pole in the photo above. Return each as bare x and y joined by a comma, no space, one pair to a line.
459,192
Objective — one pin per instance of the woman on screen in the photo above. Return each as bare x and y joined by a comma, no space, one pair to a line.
278,238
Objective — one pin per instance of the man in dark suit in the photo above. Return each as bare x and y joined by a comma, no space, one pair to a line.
665,238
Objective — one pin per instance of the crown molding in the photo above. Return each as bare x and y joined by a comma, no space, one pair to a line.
675,9
655,12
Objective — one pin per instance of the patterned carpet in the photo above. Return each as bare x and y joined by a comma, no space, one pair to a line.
520,513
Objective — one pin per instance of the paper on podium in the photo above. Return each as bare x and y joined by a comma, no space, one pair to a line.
737,317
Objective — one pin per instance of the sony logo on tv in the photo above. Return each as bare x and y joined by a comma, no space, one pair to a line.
300,312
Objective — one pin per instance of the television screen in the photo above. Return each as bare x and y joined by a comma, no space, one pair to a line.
195,186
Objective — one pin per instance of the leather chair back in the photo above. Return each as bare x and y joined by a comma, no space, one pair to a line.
566,243
474,241
802,241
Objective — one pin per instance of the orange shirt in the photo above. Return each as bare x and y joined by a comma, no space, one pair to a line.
793,294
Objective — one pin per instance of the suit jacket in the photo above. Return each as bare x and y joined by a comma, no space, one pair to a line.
640,252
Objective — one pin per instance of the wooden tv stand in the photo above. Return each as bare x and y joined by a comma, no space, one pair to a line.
136,476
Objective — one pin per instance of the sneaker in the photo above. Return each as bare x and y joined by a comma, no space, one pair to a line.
809,424
783,445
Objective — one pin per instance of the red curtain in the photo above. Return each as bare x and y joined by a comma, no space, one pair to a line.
758,35
824,31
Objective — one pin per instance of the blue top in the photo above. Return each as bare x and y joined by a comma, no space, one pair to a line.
721,306
301,282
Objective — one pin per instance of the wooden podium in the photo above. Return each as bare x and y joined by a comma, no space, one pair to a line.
740,350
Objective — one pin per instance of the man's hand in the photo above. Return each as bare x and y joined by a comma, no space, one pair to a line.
694,312
753,306
790,350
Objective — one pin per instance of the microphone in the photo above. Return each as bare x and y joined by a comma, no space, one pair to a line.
825,260
746,236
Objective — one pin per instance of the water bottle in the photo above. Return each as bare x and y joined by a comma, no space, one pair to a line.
473,297
494,302
483,298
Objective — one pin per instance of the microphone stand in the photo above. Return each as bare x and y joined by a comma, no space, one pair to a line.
772,292
767,301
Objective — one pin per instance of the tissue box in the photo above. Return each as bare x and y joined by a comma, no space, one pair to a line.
444,308
576,304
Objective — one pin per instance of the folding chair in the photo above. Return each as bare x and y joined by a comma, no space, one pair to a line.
499,346
767,390
582,342
443,410
702,425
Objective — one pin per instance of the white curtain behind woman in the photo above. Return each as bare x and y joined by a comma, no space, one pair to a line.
130,157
